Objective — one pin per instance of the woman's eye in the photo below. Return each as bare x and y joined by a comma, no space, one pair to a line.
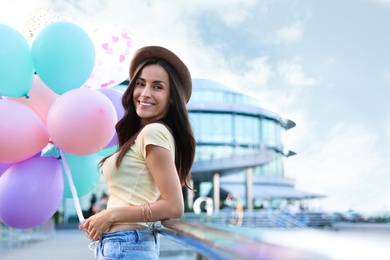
157,87
139,84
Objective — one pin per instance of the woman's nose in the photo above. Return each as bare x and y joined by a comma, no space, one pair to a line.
146,91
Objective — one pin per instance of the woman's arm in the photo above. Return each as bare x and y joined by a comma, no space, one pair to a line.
170,204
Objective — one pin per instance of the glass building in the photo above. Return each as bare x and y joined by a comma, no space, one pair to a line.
239,147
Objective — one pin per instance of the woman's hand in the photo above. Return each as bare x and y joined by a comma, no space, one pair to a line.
96,225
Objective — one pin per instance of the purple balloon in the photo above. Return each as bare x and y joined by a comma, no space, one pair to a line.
31,192
3,167
116,99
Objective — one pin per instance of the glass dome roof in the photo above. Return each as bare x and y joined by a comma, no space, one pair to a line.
212,96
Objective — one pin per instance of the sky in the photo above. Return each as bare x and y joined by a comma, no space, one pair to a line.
323,64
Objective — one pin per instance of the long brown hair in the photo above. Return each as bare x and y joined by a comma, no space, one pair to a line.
176,120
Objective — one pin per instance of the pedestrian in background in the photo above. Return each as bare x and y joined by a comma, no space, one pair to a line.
100,204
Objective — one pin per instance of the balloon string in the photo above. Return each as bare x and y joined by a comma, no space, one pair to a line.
76,201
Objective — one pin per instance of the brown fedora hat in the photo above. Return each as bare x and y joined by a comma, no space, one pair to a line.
158,52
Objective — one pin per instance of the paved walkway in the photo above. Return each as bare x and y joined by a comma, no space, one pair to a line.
71,244
65,244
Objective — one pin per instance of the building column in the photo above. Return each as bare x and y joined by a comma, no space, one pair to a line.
190,195
249,188
216,192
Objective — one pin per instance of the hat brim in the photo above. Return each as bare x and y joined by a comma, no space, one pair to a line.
158,52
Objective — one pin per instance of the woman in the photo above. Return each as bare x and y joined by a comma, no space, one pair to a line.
153,161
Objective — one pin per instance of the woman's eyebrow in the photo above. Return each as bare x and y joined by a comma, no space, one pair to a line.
155,81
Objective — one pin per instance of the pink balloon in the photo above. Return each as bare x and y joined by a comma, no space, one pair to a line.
81,121
40,99
31,192
22,133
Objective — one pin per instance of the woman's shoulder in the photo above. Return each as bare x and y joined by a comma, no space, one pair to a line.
156,128
156,134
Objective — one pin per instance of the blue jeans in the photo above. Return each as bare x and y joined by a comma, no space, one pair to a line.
128,244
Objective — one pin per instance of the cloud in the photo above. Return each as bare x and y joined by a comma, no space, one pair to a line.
345,165
293,75
385,2
290,34
232,13
259,71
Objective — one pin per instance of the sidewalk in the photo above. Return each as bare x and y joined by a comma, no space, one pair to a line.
71,244
64,245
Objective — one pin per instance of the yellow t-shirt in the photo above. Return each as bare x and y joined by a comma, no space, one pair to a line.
132,184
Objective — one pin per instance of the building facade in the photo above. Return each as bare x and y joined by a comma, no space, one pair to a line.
239,148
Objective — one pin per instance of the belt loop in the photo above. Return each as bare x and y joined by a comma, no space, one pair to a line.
155,236
137,236
154,228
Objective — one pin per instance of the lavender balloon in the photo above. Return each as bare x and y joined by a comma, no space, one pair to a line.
31,192
4,167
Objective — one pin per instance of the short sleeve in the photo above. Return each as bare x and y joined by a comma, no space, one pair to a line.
156,134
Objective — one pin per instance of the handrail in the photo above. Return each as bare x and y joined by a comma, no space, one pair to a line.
224,245
260,218
13,238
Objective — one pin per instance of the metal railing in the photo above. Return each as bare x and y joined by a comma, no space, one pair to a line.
12,238
259,219
213,243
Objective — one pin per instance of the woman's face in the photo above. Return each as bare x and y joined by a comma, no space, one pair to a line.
152,94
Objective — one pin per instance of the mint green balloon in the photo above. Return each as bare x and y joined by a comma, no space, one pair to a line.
16,66
63,55
84,171
108,151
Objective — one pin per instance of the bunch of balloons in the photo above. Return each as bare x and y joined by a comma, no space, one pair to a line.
50,122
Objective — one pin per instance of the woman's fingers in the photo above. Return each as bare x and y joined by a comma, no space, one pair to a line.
80,226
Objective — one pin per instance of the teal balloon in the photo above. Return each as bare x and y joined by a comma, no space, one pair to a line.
108,151
63,55
84,171
16,66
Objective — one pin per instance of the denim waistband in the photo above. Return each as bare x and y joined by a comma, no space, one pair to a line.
129,235
133,235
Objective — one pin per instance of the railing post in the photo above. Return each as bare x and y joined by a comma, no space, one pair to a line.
249,188
216,195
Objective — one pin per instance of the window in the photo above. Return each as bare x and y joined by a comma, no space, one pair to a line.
272,133
246,129
275,167
212,127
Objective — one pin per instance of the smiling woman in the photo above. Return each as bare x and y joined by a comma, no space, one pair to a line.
156,150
